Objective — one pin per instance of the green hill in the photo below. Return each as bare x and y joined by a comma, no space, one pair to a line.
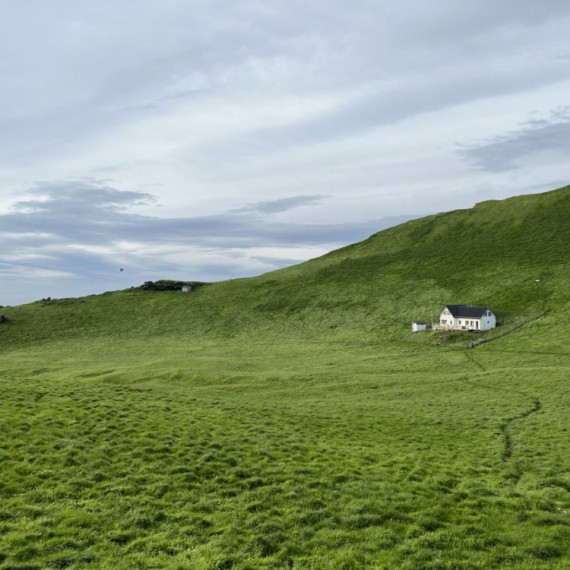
491,255
273,422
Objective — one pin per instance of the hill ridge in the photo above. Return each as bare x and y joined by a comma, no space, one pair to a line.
488,255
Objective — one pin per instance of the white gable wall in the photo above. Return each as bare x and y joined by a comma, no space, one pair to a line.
488,321
446,318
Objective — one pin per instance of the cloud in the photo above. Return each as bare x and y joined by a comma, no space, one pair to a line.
78,199
538,139
86,231
278,262
91,71
281,205
87,214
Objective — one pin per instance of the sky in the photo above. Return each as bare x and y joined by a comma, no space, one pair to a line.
209,140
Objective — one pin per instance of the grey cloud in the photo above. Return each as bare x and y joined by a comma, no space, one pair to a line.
277,262
63,227
372,111
84,85
156,102
538,188
281,205
90,215
97,216
79,198
536,138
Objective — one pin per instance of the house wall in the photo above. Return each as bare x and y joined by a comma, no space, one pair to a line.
488,322
416,327
446,316
470,323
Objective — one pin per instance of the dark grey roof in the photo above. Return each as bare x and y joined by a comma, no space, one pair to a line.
420,323
466,311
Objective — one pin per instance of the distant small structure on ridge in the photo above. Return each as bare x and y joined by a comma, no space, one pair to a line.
419,326
466,318
186,288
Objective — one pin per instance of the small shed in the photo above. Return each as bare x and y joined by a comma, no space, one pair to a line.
186,288
419,326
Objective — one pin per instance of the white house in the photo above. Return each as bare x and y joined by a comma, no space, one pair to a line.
466,318
186,288
419,326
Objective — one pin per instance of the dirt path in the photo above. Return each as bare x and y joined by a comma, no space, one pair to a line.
505,427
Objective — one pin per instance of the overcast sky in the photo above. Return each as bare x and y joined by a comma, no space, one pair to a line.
215,139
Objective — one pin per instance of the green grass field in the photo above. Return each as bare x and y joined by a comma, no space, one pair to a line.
275,422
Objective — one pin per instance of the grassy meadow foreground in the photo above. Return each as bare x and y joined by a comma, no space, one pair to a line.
276,422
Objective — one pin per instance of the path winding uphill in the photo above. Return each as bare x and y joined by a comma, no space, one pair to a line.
505,427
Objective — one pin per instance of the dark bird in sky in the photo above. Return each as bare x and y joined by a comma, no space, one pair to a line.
121,270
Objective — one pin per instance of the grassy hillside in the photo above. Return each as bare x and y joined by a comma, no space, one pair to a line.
491,255
273,423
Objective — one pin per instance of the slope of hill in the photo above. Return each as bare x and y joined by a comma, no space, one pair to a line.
491,255
271,423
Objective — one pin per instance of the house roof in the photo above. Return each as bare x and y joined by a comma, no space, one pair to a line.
459,311
419,323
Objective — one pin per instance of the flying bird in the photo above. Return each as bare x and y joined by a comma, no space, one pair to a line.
121,270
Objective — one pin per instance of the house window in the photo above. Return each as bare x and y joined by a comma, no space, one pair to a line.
459,321
443,322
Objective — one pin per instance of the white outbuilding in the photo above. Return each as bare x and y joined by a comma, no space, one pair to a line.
419,326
